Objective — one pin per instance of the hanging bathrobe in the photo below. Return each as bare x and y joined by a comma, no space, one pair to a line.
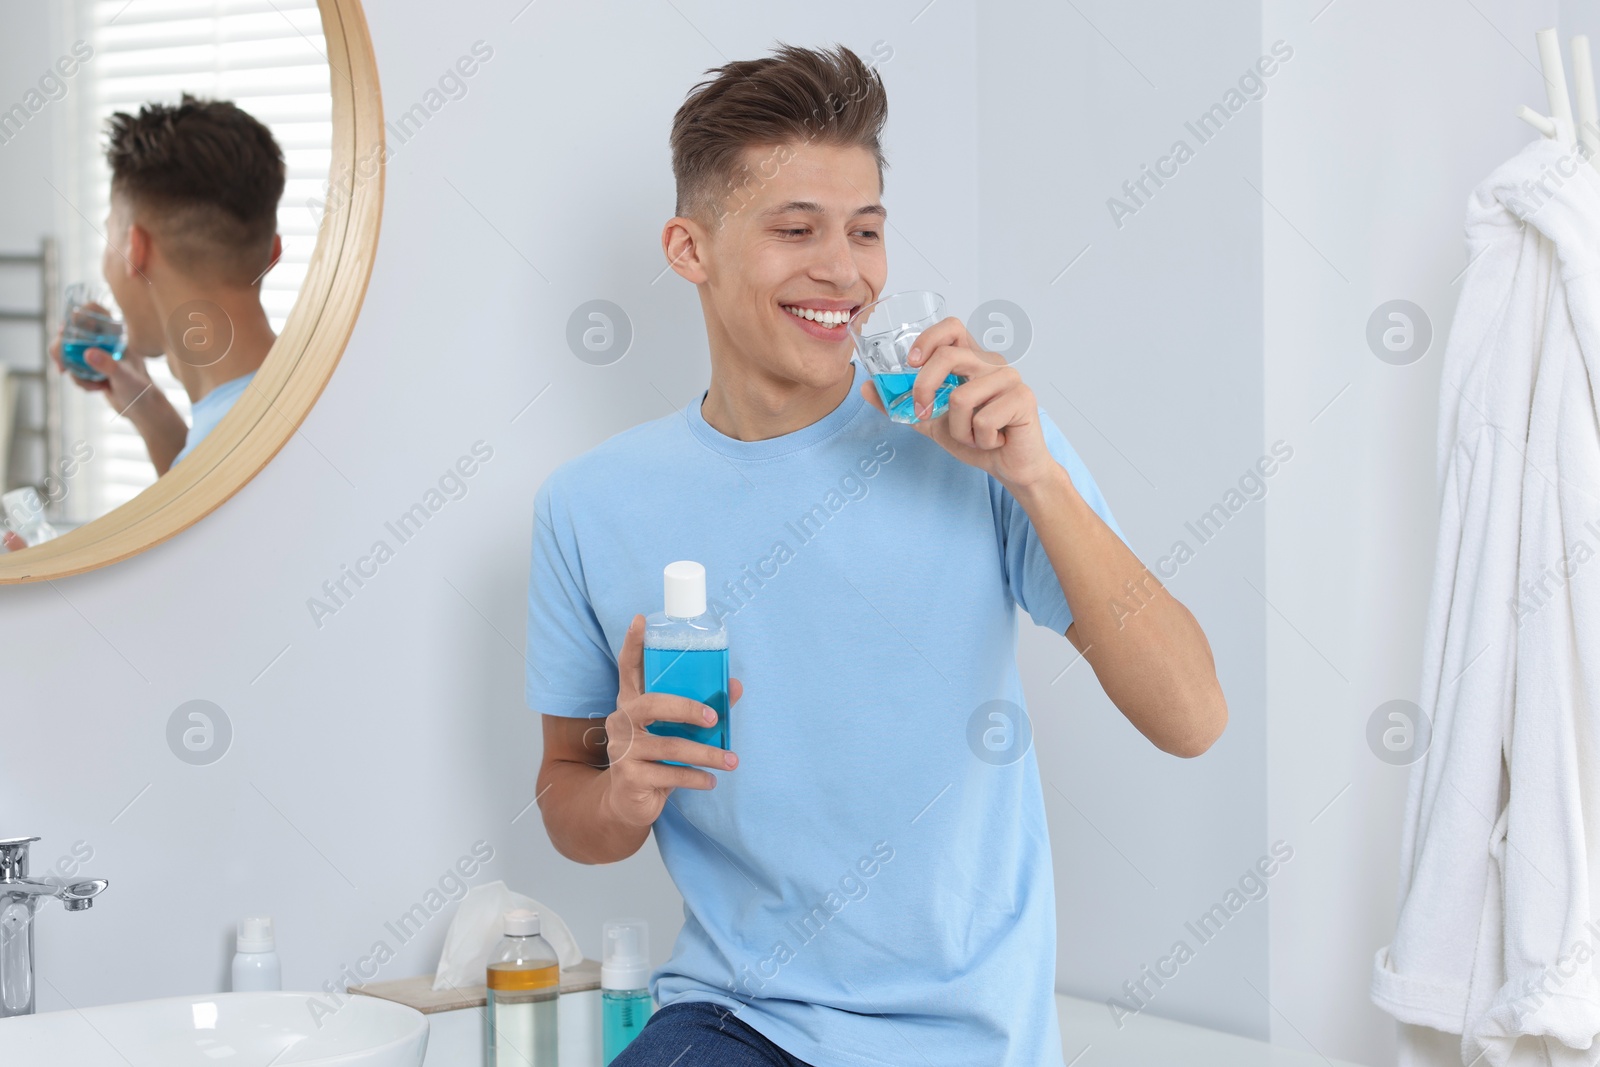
1499,928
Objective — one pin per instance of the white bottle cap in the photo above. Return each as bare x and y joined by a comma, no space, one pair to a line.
685,588
255,934
625,955
521,922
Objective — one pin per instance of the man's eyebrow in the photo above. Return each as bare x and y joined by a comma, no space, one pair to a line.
811,207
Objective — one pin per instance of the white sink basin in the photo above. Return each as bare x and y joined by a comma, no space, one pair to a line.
220,1030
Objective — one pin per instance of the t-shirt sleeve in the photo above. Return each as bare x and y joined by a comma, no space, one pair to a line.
571,669
1029,575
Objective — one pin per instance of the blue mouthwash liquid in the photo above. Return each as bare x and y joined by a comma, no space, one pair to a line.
623,1013
686,654
700,674
895,390
72,354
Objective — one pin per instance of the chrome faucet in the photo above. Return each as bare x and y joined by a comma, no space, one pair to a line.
19,900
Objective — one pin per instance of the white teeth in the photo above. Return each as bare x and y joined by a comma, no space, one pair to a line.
827,318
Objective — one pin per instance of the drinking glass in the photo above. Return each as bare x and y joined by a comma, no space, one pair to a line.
89,320
884,332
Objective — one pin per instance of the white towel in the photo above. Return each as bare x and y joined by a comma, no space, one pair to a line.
1494,939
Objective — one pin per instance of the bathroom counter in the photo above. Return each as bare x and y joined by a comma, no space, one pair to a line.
419,993
1089,1035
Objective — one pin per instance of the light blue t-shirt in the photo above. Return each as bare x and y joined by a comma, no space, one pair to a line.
209,409
872,885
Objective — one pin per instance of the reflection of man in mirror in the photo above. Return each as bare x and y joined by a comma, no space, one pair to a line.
192,230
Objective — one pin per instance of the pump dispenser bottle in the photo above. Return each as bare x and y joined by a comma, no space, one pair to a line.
686,654
625,1002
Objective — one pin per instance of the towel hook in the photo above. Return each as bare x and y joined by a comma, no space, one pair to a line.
1583,129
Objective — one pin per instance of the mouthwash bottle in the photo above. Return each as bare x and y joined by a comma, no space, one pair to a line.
625,1001
524,979
686,654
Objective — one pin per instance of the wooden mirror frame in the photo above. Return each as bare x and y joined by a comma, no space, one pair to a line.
302,358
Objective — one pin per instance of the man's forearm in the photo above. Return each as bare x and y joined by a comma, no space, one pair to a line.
1148,651
572,801
159,424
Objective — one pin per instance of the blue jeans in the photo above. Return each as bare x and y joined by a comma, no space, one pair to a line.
701,1034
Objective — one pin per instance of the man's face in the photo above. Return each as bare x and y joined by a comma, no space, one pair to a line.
145,336
803,230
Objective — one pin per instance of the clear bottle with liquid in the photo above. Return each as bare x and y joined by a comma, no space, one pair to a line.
524,980
686,654
625,1003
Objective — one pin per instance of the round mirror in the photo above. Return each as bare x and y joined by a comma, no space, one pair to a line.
192,197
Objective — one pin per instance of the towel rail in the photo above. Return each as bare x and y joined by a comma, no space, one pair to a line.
24,465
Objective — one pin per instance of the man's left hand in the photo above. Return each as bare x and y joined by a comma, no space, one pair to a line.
993,419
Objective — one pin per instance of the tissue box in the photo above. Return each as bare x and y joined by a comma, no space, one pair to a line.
455,1016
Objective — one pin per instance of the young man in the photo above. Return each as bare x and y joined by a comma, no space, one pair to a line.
193,228
866,877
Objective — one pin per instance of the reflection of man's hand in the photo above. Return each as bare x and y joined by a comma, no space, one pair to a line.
81,383
130,392
127,381
13,542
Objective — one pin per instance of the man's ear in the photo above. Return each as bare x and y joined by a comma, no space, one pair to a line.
682,240
272,259
140,248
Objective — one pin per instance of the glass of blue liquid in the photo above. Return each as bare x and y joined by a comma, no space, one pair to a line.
89,321
884,332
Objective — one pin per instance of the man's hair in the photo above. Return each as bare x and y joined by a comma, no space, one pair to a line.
795,95
206,178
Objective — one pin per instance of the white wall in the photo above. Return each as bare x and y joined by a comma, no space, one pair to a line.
1147,354
371,752
26,52
1384,121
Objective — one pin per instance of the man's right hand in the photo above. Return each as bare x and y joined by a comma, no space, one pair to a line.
131,393
126,381
637,785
